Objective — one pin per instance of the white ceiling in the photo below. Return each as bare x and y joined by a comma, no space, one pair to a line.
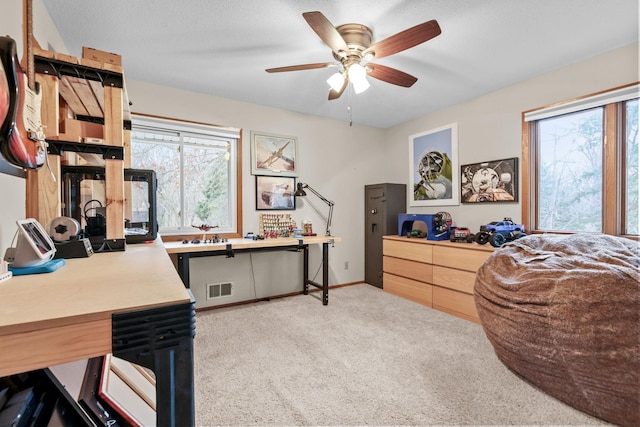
222,47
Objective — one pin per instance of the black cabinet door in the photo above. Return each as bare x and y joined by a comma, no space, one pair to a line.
383,203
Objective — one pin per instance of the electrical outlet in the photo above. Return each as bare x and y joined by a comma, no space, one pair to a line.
346,265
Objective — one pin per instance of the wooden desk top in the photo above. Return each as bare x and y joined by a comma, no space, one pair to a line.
179,247
52,318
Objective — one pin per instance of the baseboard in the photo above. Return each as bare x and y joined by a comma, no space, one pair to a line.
291,294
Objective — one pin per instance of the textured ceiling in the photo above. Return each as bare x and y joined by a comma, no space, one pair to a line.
222,47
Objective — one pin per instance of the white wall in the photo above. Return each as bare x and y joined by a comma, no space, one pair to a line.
490,127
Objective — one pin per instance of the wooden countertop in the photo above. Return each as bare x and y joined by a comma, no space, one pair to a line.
58,317
179,247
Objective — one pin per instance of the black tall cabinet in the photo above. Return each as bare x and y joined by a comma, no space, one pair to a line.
382,204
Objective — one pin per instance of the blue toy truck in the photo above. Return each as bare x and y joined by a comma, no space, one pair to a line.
499,232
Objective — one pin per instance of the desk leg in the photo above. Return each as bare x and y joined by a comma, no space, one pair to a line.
175,386
305,270
183,268
325,273
161,339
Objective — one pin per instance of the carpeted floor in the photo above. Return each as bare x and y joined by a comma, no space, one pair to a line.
368,358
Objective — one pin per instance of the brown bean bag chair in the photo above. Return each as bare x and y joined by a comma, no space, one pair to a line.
563,312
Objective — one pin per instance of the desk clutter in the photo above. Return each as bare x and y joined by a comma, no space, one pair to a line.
68,238
5,274
430,226
33,253
46,267
274,225
213,239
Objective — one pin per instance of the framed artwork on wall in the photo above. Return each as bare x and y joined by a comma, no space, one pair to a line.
489,182
275,193
273,154
433,157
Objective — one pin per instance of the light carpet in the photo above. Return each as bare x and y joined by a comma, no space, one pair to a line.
367,358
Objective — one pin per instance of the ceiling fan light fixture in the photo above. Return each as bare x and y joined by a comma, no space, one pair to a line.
360,86
336,81
358,78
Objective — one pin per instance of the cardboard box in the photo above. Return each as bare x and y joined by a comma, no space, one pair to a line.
102,56
78,130
66,58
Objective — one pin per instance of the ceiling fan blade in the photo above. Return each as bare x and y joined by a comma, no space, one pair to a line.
390,75
327,32
333,94
405,39
301,67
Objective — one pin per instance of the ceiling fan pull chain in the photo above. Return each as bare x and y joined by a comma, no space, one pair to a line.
349,111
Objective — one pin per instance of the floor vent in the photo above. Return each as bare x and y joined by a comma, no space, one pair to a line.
217,290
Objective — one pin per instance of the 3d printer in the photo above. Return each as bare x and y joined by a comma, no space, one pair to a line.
84,199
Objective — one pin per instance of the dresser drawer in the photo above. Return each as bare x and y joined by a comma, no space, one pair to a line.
407,288
406,268
456,303
461,258
408,249
451,278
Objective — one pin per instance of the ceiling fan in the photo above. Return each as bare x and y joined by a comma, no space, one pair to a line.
352,46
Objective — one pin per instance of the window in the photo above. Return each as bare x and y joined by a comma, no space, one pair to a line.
632,203
198,171
570,172
580,165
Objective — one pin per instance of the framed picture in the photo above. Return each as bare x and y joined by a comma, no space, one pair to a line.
275,193
433,157
490,182
129,390
273,154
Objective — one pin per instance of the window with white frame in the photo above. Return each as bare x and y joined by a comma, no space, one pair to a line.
197,170
580,159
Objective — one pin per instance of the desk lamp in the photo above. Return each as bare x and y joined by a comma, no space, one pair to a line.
300,193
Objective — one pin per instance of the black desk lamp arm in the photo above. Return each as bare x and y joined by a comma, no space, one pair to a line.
328,202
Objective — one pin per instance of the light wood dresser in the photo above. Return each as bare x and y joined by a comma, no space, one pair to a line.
438,274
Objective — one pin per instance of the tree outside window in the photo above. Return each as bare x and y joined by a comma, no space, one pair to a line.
570,172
